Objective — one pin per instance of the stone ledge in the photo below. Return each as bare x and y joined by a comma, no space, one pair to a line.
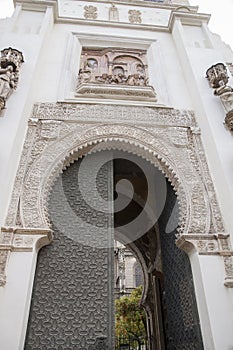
119,92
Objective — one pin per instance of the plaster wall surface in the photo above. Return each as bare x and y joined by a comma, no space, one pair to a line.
14,119
217,139
15,299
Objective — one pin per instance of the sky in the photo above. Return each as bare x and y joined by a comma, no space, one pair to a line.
221,21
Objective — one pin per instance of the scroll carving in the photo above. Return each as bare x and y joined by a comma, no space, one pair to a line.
10,62
218,79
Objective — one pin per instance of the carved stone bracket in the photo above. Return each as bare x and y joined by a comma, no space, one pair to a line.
13,239
210,244
10,62
218,79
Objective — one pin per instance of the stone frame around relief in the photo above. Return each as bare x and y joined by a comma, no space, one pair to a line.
152,96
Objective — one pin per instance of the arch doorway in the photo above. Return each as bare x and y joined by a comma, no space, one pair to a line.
73,297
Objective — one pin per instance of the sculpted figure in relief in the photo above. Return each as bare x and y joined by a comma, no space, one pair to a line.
10,62
218,79
113,66
8,81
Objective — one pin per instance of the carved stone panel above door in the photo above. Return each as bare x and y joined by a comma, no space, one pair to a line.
114,72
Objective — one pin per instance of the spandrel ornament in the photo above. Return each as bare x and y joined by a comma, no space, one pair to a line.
10,62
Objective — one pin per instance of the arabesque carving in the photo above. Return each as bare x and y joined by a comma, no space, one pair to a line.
218,79
10,62
172,143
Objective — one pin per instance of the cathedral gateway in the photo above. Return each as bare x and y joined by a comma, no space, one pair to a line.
116,124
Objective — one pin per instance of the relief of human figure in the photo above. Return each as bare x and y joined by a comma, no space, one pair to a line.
7,81
84,76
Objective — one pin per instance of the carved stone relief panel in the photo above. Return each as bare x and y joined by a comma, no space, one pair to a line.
104,71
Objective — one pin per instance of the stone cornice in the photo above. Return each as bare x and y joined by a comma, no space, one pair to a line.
140,3
38,5
188,18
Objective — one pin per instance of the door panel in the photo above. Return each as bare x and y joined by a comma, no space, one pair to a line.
72,301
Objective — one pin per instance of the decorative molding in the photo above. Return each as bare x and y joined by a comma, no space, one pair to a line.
10,62
59,133
218,79
157,116
15,239
136,93
210,244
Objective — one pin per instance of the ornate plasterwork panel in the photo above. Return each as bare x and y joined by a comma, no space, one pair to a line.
58,133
